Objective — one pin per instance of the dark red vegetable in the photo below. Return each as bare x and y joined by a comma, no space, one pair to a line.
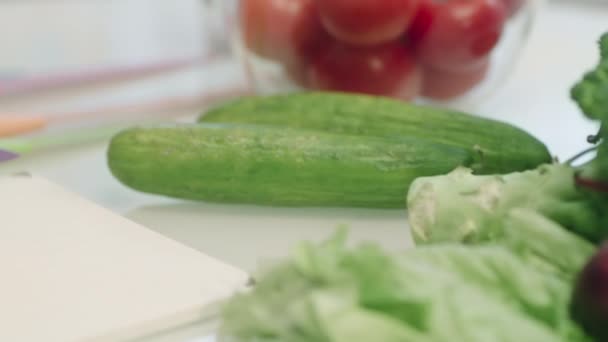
591,184
589,305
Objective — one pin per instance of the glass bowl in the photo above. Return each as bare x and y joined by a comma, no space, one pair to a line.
437,51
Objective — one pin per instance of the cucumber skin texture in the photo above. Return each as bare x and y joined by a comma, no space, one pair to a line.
498,147
279,167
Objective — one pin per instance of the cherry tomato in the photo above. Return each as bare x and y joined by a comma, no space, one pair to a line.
423,20
367,22
389,69
283,30
444,85
513,6
461,34
297,70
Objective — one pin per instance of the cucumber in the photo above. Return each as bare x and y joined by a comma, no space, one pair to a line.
498,147
269,166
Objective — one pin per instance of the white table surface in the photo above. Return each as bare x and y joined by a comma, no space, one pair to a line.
563,45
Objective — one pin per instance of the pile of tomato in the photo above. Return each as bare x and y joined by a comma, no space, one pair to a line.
438,49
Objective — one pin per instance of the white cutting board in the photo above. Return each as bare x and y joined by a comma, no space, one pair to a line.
73,271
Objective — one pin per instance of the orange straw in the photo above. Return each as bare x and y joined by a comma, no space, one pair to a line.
15,125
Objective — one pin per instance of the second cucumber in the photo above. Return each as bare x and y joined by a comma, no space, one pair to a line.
496,146
270,166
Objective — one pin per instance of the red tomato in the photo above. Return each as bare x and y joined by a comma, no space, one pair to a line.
513,6
461,34
423,20
367,22
444,85
283,30
389,70
298,71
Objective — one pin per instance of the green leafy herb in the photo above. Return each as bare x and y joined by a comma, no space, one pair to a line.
591,93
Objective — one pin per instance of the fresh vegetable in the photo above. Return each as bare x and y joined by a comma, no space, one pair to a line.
471,209
445,85
518,272
536,239
559,195
331,293
496,147
464,207
589,305
388,69
462,34
591,93
367,22
542,209
287,167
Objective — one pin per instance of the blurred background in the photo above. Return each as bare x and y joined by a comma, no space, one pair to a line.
54,36
69,63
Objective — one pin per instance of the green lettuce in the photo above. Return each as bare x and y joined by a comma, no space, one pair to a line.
474,207
534,213
330,292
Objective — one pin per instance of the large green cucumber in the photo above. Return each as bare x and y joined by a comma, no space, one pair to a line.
271,166
499,147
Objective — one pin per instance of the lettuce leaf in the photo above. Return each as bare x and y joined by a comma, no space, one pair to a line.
330,292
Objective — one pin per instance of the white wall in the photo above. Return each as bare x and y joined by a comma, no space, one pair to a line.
48,35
